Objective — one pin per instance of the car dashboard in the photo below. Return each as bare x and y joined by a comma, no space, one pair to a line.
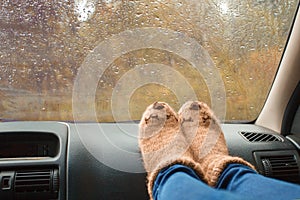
58,160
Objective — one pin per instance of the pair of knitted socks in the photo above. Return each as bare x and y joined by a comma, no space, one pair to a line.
191,137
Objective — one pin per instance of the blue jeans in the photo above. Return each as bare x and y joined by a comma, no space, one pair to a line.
236,182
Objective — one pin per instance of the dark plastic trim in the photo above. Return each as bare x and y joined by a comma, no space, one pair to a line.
290,111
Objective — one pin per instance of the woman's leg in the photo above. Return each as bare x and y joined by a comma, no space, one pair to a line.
181,182
242,180
193,139
204,134
162,143
206,140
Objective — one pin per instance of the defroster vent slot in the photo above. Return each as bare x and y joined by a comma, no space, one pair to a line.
260,137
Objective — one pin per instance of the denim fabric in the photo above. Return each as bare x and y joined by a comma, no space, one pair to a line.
236,182
240,179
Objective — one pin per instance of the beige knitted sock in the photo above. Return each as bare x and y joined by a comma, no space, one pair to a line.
205,137
162,143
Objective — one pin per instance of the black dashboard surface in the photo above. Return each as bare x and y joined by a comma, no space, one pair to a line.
102,161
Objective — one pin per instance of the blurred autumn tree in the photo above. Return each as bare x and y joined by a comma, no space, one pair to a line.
43,44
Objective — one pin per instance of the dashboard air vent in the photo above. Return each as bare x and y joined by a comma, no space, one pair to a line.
283,167
260,137
42,183
33,181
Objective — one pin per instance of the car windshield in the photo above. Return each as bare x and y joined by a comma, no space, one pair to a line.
106,60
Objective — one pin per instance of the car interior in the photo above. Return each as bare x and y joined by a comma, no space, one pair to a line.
57,159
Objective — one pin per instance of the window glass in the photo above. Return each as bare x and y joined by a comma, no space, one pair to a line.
106,60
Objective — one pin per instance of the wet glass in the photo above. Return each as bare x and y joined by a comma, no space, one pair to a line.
105,61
